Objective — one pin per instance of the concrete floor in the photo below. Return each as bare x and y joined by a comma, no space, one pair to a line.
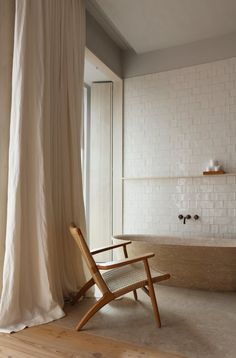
195,323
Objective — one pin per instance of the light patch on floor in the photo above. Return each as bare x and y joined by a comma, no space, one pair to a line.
195,323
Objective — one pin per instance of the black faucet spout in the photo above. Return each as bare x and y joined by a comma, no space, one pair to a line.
187,217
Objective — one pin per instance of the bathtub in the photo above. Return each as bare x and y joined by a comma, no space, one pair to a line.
201,263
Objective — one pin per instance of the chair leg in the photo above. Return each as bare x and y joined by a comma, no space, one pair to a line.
135,295
95,308
152,294
83,290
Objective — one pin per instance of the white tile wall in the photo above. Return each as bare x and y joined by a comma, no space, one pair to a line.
175,122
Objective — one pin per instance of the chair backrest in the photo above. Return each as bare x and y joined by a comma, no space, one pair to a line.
79,238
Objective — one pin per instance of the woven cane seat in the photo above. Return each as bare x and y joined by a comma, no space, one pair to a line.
125,276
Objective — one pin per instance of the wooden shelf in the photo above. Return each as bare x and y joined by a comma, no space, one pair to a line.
213,172
179,177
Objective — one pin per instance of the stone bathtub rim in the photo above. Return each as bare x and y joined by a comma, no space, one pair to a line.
176,241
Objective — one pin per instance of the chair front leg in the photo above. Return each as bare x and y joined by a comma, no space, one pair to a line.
152,294
95,308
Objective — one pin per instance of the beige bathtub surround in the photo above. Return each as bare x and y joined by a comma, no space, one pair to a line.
196,323
208,264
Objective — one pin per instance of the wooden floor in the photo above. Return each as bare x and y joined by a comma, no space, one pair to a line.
52,341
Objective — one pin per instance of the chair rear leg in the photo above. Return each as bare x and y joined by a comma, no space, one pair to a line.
135,295
83,290
126,256
95,308
152,294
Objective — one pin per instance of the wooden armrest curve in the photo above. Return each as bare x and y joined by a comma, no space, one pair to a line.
106,248
128,261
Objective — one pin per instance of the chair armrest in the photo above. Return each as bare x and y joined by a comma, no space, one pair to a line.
128,261
102,249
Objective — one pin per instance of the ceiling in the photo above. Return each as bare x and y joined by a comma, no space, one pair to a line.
148,25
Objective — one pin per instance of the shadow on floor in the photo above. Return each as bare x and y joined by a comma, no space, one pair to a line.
195,323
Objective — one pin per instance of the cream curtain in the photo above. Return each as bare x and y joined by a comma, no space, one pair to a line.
41,82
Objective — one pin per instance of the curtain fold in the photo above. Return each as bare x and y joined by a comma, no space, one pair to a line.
40,167
6,48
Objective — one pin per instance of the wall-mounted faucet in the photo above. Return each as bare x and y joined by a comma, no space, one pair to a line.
187,217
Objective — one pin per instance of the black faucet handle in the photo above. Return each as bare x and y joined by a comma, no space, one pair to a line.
188,217
196,217
180,217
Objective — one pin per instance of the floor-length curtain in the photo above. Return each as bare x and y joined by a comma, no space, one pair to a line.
41,84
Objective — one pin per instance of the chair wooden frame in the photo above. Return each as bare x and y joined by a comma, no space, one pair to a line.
107,294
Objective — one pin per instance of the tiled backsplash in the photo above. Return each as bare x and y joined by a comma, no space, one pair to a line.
175,122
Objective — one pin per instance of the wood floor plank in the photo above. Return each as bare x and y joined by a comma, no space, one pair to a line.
51,341
14,347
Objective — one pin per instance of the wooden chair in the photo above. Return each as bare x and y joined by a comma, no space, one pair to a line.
122,276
